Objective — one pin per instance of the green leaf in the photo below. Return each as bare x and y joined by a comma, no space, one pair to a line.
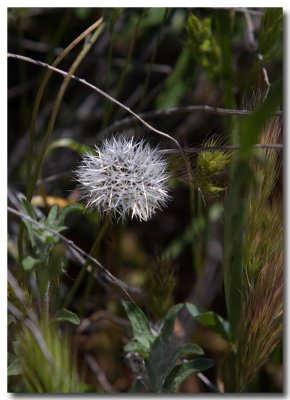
50,220
182,371
211,320
139,322
30,262
71,208
225,24
68,316
216,323
14,368
152,18
164,351
69,144
271,34
57,261
168,324
27,206
193,309
137,347
190,348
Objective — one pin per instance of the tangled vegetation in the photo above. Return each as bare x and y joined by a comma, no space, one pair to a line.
169,122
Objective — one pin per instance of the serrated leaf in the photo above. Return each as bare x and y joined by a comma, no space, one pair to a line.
190,348
68,316
139,323
180,372
30,262
14,368
211,320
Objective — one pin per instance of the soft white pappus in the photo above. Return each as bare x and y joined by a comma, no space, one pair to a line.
126,177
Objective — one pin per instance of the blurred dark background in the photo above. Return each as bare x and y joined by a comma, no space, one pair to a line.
147,47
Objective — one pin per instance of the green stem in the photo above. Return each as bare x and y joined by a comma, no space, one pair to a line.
67,50
32,178
32,132
225,23
56,106
198,246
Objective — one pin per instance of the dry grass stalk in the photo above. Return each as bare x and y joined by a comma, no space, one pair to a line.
262,315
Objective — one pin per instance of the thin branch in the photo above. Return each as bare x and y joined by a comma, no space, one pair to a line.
207,382
70,243
98,90
126,122
99,373
201,149
101,92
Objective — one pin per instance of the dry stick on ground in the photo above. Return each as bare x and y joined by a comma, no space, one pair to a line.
107,273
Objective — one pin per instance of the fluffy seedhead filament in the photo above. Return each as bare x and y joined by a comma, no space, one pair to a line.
125,178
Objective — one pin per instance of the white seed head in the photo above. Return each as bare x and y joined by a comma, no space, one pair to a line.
125,178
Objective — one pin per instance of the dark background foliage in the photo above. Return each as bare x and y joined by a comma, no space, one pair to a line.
148,60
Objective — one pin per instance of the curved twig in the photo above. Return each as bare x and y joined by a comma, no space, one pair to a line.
151,115
98,90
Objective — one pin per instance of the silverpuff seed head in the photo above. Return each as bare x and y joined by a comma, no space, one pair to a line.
126,177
